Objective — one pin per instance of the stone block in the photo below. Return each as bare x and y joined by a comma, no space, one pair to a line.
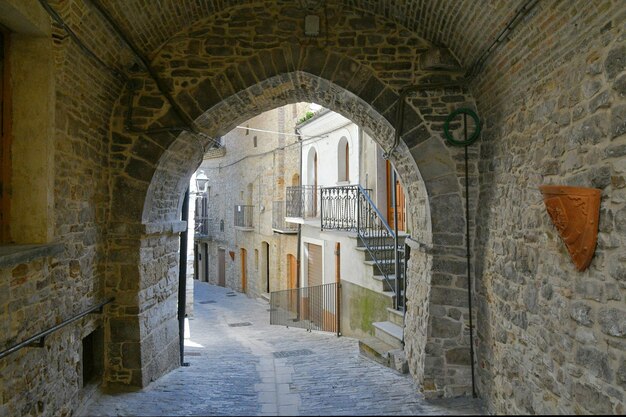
441,327
591,399
595,361
618,121
124,330
131,355
613,321
615,62
458,356
449,297
581,313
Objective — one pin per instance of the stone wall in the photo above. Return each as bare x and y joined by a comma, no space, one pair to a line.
255,175
40,291
553,104
549,339
223,80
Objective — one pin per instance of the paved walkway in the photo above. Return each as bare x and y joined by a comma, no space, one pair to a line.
259,369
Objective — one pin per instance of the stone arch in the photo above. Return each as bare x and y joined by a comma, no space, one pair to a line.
160,164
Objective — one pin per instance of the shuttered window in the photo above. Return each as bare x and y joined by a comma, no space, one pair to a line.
314,265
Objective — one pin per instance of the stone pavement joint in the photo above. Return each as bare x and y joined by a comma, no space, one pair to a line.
235,371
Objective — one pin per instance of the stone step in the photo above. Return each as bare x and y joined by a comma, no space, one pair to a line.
384,285
265,296
377,241
389,333
379,268
384,353
395,316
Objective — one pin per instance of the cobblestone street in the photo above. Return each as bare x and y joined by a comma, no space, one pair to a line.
259,369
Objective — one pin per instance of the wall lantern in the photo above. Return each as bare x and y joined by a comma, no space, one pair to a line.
201,182
575,212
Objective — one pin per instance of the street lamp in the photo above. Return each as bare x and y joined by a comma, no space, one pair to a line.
201,182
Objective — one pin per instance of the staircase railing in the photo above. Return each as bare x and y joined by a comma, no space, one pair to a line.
351,208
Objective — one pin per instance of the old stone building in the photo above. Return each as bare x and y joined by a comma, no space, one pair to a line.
243,242
109,105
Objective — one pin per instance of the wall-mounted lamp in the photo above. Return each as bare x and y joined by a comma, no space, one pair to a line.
201,182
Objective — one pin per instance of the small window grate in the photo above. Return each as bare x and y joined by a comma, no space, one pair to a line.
290,353
245,323
207,302
193,353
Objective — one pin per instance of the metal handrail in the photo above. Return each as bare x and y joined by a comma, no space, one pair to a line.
42,335
365,195
362,231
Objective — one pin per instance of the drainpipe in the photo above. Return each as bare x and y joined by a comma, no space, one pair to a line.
299,284
338,287
182,279
298,253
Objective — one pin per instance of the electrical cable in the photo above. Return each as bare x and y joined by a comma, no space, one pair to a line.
81,45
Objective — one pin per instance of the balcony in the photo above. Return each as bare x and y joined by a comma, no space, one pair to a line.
279,224
302,201
202,227
243,217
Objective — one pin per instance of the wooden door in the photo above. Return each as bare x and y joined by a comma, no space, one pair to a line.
244,271
312,302
221,267
314,265
400,200
292,276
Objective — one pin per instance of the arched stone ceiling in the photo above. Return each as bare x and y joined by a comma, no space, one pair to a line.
466,27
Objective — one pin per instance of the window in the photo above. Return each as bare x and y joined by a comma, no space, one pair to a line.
247,130
343,160
254,140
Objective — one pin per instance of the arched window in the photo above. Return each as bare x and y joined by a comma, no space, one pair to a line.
295,180
343,160
312,167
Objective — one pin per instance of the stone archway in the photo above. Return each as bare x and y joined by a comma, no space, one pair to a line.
158,166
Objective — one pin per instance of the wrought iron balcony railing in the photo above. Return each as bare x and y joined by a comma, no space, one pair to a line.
302,201
278,219
244,216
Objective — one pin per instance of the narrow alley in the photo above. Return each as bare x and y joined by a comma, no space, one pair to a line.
240,365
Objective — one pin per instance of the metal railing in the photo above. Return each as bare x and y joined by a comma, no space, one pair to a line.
383,245
203,227
310,308
278,219
350,208
302,201
243,216
338,209
39,339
